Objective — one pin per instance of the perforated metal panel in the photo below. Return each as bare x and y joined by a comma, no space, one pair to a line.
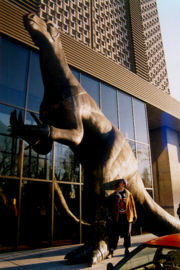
148,45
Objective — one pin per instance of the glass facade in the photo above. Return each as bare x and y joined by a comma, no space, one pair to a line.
109,103
13,73
31,184
35,91
126,108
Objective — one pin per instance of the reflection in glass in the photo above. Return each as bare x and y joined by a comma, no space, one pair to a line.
36,207
10,148
91,85
133,146
5,112
75,73
9,161
140,121
36,88
66,230
109,103
9,200
36,165
126,115
13,72
143,157
66,164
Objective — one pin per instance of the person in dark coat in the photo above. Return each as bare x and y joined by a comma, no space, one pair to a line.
123,214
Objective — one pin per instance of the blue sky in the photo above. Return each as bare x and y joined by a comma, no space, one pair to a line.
169,16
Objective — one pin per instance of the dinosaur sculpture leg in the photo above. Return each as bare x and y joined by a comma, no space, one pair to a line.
96,247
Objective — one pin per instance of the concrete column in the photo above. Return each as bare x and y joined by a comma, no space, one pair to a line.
173,145
161,170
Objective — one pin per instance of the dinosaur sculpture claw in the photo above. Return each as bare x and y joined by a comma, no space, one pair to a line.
32,134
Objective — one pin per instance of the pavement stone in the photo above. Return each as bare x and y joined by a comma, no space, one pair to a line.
53,257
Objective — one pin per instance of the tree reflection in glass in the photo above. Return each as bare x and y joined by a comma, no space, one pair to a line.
143,157
36,165
10,148
66,164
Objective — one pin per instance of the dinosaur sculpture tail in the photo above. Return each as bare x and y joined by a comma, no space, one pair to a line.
65,206
153,217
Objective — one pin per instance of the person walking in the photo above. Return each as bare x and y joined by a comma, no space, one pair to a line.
123,214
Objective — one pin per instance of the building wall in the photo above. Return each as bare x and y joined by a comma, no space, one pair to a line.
100,25
128,32
148,45
166,168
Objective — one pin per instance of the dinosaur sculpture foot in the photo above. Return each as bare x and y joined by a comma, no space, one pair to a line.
41,31
80,255
99,253
88,253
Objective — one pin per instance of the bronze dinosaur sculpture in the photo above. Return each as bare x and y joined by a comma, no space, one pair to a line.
70,116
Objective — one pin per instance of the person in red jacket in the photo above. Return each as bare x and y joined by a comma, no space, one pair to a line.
123,214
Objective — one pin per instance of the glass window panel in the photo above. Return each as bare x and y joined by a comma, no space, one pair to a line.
9,201
66,164
133,147
9,162
109,103
36,87
35,229
140,121
76,73
36,165
91,86
144,166
13,72
5,144
126,115
5,112
66,230
10,148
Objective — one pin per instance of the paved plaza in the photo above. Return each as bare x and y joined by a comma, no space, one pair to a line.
53,257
